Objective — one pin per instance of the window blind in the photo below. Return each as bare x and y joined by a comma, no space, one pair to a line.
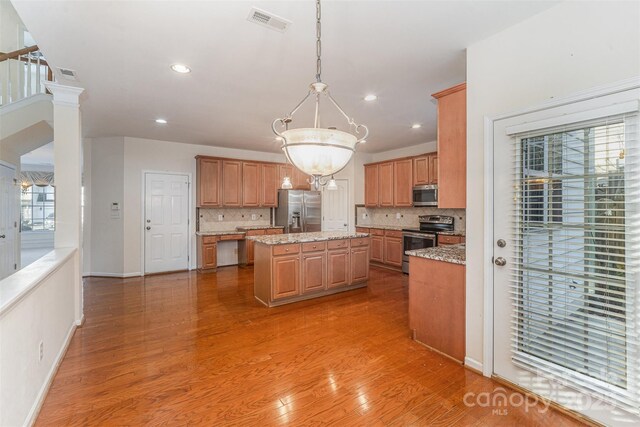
576,261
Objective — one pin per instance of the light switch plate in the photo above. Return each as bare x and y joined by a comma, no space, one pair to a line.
398,216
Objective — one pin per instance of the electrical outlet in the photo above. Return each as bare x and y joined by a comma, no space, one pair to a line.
220,217
41,351
398,216
254,217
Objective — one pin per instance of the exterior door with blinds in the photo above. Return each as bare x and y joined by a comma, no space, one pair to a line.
567,255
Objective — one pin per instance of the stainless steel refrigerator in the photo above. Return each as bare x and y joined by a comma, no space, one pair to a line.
299,211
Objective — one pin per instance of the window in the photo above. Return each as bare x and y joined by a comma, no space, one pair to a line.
37,209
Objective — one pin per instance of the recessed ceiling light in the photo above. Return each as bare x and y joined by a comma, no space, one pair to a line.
180,68
371,97
416,126
161,121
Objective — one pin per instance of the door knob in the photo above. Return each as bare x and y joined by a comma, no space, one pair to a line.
148,228
501,243
500,261
3,236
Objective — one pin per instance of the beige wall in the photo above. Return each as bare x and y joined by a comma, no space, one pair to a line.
570,47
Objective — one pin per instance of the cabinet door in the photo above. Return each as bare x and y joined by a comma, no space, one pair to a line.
209,255
208,182
269,185
385,184
284,170
286,276
371,185
402,180
314,272
433,169
250,184
337,268
421,174
232,183
359,264
393,251
377,249
452,149
251,245
300,180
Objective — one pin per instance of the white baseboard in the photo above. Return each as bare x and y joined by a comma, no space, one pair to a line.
42,394
116,275
473,364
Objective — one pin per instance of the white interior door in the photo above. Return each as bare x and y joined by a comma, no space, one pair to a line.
8,221
566,263
166,222
335,207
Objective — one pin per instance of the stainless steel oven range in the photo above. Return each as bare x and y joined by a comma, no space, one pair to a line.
424,237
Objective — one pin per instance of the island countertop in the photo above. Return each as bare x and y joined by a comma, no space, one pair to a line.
320,236
455,254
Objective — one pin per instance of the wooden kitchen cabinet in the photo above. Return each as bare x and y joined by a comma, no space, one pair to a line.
251,184
371,186
452,146
208,182
437,305
433,168
286,276
268,185
338,267
231,183
402,183
393,251
425,169
450,240
377,249
209,256
314,271
385,184
299,181
250,244
359,264
284,170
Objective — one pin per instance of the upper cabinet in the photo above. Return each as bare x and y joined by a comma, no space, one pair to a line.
371,185
385,184
452,147
237,183
208,182
425,169
299,180
402,183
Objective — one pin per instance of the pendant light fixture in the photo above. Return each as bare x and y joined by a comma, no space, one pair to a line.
317,151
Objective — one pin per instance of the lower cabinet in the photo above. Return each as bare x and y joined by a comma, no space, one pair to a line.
337,267
314,272
359,264
209,255
393,251
286,276
251,244
377,249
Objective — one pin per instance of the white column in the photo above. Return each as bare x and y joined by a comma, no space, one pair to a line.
67,154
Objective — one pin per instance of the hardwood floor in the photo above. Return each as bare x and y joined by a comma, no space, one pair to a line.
194,349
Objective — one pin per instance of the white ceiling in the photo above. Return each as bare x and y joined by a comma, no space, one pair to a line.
245,75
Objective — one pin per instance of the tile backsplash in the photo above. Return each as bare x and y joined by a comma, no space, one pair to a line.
408,216
232,218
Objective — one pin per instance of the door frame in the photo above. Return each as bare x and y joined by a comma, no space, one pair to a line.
488,320
190,209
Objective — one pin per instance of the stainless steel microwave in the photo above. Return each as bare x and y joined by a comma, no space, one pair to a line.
425,195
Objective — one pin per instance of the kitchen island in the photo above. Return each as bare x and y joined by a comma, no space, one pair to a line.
437,298
299,266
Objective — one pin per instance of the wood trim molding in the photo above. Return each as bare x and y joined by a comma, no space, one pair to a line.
200,156
432,153
456,88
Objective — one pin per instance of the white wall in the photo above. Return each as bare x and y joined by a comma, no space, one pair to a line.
568,48
45,314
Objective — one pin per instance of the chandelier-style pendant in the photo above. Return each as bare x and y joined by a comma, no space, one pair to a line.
316,151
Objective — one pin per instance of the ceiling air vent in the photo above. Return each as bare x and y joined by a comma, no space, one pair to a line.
68,74
267,19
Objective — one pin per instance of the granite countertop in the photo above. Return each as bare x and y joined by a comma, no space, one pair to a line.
218,233
385,227
455,254
452,233
257,227
281,239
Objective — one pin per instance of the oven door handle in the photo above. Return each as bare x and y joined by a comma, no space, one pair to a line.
420,236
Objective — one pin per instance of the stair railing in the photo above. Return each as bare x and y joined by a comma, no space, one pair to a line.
22,74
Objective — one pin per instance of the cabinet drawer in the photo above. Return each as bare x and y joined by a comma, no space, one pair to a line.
274,231
362,230
337,244
314,246
393,233
449,240
232,237
377,232
209,239
290,249
357,243
255,232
